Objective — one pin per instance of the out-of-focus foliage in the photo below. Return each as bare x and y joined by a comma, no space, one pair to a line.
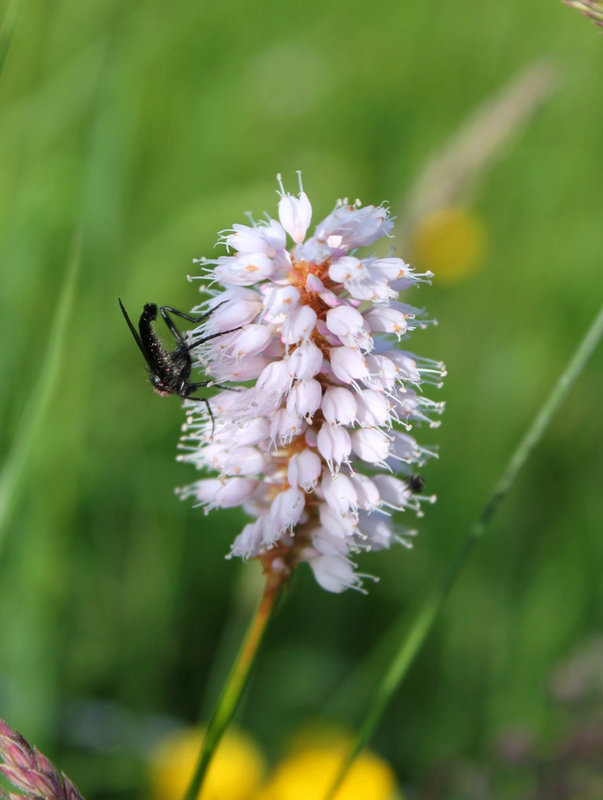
151,126
563,761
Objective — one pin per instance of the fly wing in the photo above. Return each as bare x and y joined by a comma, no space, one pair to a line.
134,332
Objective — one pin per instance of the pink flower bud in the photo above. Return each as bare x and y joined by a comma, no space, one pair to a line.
339,406
305,361
382,373
299,325
377,528
336,524
366,491
295,215
334,573
224,493
250,541
393,492
387,320
268,238
355,227
339,492
245,269
391,269
314,284
274,380
371,445
251,340
348,324
328,544
334,445
305,398
279,300
285,511
240,307
347,268
348,365
304,470
373,408
285,426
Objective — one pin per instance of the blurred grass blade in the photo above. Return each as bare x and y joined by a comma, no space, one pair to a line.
34,412
456,169
9,23
422,621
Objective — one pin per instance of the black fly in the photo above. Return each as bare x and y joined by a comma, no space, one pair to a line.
169,370
416,483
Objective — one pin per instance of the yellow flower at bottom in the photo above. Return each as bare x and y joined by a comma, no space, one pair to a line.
234,773
307,775
451,242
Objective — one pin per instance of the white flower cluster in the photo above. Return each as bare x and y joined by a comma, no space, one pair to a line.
311,435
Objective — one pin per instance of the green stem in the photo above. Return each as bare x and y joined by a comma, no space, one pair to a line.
235,683
419,628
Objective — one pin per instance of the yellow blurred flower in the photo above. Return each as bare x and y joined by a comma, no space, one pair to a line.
234,773
307,774
451,242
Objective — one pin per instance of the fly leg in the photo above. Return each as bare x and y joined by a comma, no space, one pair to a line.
204,339
210,413
192,387
165,312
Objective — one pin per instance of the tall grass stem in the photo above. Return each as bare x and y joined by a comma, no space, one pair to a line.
235,684
420,625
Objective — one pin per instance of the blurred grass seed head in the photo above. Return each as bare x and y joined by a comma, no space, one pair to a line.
591,8
30,771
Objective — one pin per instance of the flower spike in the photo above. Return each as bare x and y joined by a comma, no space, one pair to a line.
313,442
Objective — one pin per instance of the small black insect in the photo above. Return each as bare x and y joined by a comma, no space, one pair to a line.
416,483
170,370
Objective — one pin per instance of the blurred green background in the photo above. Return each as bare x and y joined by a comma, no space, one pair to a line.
151,126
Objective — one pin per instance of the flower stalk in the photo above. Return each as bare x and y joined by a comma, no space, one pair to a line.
236,681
